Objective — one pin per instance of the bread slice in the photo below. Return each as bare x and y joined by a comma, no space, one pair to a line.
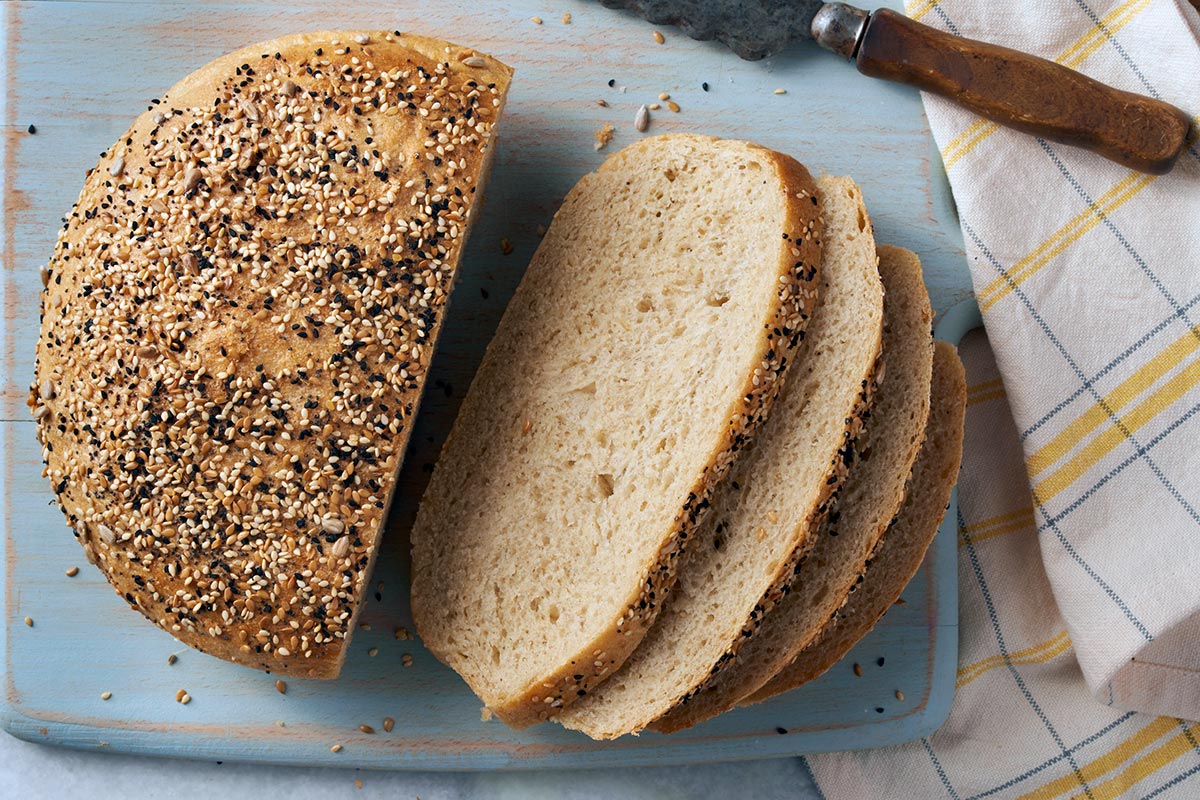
742,555
237,324
642,348
867,503
899,554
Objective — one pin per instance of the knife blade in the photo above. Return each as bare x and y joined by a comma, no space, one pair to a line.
1015,89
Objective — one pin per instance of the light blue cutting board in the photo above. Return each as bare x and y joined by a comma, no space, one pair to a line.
81,71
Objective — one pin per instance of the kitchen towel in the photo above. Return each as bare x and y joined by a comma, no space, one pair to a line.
1080,492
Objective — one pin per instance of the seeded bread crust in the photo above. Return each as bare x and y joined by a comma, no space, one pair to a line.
898,555
780,333
875,490
827,392
236,327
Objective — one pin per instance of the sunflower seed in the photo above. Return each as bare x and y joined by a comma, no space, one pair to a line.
289,88
341,548
641,120
117,167
474,61
106,534
191,179
332,525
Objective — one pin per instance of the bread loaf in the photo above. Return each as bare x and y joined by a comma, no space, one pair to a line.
237,324
867,503
899,553
641,350
763,512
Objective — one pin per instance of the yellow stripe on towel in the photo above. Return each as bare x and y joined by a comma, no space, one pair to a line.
1037,654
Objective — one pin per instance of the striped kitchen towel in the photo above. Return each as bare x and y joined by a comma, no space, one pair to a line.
1080,493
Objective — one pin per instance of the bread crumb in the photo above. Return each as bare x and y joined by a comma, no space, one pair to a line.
781,91
406,659
402,633
604,135
357,783
485,714
567,18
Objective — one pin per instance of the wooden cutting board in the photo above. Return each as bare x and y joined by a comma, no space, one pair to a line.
80,71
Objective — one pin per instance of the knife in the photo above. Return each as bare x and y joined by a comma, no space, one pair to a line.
1012,88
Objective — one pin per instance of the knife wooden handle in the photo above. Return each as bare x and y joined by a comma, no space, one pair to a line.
1024,92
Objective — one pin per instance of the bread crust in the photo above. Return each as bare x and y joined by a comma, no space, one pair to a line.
779,336
903,545
218,389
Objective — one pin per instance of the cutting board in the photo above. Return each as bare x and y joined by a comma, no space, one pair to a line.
79,72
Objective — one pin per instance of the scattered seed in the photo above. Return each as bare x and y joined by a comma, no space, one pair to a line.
29,622
280,723
281,687
899,695
362,38
366,729
388,724
612,82
374,651
366,626
341,548
185,699
32,129
567,18
878,709
402,634
171,659
541,230
106,696
664,96
641,120
537,20
44,273
147,352
658,37
673,106
474,61
781,91
117,167
654,106
602,103
506,246
337,748
704,86
72,572
406,659
858,669
879,661
900,601
781,731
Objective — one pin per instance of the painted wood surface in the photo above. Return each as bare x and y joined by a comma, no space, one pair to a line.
79,72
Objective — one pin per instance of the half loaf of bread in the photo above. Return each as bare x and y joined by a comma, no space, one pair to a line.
641,350
763,513
237,324
865,506
899,554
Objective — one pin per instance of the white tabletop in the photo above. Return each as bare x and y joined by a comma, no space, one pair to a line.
33,772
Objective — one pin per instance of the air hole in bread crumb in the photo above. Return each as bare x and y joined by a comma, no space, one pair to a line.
862,219
669,174
645,305
718,299
587,389
606,484
553,613
495,654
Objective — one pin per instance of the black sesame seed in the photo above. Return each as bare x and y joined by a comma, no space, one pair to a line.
879,661
704,86
878,709
32,129
612,82
781,731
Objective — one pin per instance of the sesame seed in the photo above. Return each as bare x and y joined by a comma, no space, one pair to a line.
879,662
567,18
32,129
362,38
600,101
654,106
673,106
664,96
506,246
406,659
641,120
858,669
781,91
337,748
374,651
366,729
536,20
658,37
72,572
29,622
106,696
781,731
704,86
388,724
171,659
281,687
899,695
